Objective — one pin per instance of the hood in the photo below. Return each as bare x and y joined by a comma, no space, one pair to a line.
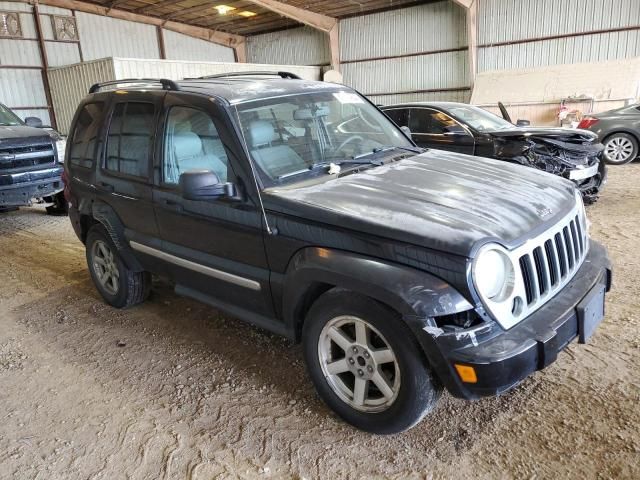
441,200
20,132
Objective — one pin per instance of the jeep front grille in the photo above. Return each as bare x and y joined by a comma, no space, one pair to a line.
542,267
550,263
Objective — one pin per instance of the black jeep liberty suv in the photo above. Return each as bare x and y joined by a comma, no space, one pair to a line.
30,163
300,207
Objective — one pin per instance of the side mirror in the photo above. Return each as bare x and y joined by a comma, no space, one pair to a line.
455,130
204,185
33,122
406,131
523,123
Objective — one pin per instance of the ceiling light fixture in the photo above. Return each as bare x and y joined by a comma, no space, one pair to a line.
224,9
247,14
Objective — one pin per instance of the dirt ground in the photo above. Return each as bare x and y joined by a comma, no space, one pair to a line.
173,389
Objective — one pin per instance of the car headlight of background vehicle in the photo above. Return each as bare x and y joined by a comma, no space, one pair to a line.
61,148
493,273
60,143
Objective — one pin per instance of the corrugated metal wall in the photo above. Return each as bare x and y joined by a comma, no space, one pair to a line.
182,47
296,46
21,66
22,88
505,21
102,37
408,54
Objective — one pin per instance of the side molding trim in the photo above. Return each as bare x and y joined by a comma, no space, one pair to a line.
196,267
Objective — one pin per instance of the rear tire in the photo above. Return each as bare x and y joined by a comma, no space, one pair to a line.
60,205
374,347
119,286
620,148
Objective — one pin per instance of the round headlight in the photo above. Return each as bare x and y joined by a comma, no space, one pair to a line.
493,274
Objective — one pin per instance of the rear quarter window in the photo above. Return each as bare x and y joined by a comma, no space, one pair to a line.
83,139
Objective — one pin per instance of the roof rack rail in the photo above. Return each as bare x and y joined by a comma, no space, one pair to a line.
166,84
288,75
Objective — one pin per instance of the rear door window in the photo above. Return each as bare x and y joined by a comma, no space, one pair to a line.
83,139
130,139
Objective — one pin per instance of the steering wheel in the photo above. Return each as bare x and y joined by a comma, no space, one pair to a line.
349,140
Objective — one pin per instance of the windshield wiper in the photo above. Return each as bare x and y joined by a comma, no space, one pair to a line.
386,148
353,161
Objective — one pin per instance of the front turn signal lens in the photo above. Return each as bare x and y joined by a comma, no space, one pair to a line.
466,373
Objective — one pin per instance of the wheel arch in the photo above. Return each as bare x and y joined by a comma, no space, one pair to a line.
412,293
97,212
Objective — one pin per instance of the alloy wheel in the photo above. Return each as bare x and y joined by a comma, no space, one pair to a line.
105,267
359,364
618,149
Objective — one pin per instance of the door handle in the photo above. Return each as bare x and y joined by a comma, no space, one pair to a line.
107,187
171,205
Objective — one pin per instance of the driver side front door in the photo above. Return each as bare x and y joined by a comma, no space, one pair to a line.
212,249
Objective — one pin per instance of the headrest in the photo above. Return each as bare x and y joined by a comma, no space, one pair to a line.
261,132
187,144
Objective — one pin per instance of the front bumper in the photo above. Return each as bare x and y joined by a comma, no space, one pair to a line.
503,358
590,186
17,189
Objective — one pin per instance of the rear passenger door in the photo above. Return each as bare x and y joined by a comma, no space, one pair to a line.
212,247
124,177
431,128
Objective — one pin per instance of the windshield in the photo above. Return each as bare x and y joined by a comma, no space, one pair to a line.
7,117
288,136
480,119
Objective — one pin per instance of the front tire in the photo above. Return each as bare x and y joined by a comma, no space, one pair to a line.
620,148
366,363
119,286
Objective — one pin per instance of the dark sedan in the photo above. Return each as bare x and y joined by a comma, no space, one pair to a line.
458,127
618,130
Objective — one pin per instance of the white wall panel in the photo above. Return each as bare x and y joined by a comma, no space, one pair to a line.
54,10
454,96
15,6
509,20
20,52
443,70
590,48
62,53
102,37
22,88
296,46
182,47
28,25
435,26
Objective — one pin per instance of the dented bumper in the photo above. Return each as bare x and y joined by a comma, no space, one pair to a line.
18,189
501,358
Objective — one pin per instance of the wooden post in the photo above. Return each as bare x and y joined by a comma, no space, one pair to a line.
45,66
161,48
471,10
